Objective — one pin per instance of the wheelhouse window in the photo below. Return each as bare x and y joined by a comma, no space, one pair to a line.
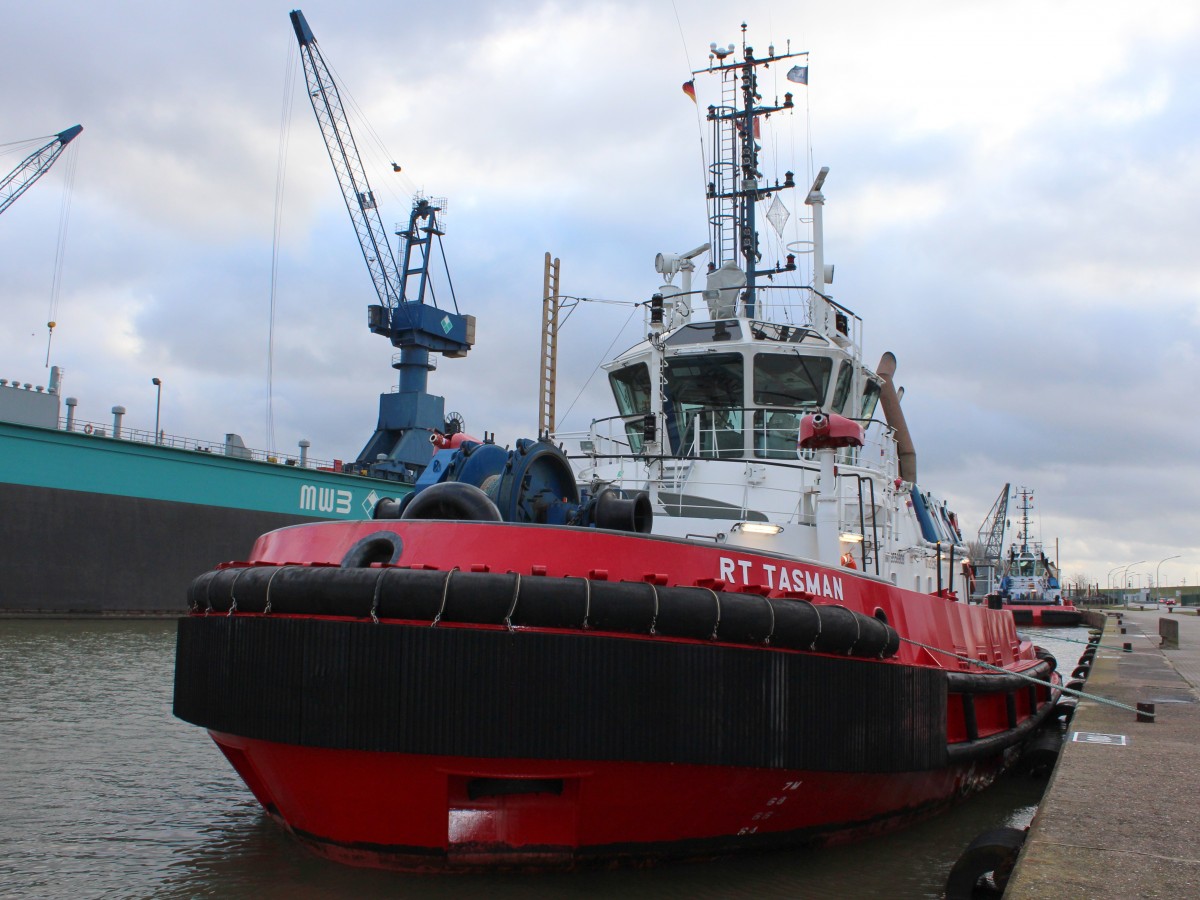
841,393
705,396
631,390
776,432
789,385
870,399
791,380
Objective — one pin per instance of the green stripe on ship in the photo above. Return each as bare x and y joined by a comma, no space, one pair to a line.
40,457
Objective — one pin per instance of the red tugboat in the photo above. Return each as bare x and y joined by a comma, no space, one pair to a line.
716,631
427,694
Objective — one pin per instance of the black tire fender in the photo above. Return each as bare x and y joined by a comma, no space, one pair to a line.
992,853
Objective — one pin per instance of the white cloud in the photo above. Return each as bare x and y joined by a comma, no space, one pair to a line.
1011,209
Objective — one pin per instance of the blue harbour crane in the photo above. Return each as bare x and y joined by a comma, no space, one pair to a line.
34,166
407,313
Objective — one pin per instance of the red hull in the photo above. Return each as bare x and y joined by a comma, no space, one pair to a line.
484,744
414,813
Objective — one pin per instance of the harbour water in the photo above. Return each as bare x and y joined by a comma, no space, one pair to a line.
103,793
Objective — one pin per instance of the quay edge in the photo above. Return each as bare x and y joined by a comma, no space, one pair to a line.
1119,820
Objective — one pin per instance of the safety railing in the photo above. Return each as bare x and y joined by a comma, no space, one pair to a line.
178,442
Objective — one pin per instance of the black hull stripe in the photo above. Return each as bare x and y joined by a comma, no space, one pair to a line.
493,693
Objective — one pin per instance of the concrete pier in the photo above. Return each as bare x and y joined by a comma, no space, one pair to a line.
1121,814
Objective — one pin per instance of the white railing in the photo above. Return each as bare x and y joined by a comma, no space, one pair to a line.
177,442
606,440
738,482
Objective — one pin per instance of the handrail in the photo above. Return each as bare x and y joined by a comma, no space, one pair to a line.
192,445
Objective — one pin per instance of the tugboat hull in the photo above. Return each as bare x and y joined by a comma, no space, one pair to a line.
446,813
481,716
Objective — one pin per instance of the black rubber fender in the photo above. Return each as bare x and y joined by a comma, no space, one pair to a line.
1064,709
1040,754
359,589
992,853
1045,654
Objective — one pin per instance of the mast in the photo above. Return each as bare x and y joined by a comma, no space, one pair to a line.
736,183
1026,496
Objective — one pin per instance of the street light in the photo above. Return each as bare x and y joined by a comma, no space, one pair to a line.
1124,585
1109,579
1157,583
157,382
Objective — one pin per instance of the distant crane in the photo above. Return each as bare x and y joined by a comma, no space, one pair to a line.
408,418
34,166
991,532
991,544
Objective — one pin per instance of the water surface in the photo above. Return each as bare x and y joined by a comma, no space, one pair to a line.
103,793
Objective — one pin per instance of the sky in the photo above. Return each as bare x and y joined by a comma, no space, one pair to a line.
1013,209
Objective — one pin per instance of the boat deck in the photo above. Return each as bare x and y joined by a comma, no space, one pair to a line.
1120,820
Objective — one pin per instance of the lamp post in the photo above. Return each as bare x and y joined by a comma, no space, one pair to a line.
157,382
1125,596
1157,583
1109,579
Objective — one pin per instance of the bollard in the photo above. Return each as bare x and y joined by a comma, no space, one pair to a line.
1122,629
1145,712
1127,647
1168,630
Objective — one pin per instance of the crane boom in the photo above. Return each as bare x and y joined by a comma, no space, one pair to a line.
347,164
34,166
991,532
410,418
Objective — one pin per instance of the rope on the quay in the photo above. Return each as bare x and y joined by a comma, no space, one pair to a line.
1049,684
1030,637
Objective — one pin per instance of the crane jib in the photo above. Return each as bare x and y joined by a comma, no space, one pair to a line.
409,416
34,166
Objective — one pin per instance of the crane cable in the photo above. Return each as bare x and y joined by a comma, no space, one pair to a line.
285,129
375,143
60,250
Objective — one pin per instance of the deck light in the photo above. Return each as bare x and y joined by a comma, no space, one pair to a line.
757,528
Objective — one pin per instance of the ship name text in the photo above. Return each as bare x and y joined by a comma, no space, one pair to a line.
748,571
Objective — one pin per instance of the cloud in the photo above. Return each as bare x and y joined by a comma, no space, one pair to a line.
1011,209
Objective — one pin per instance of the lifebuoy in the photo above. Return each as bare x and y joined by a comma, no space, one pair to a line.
848,560
87,429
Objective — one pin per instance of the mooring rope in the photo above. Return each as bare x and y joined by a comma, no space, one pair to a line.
1030,637
1030,678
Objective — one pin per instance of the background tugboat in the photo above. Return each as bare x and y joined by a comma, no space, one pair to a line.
731,625
1029,585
